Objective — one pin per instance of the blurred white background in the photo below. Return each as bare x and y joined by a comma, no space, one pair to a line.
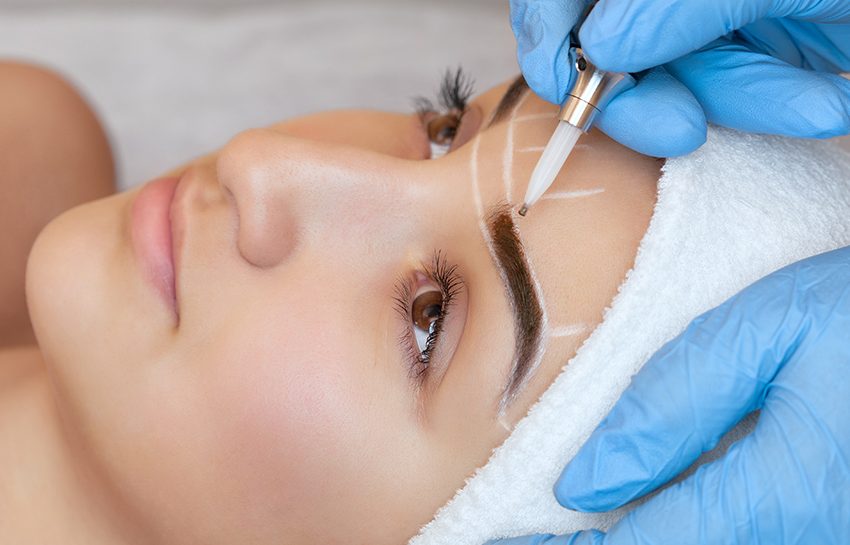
175,79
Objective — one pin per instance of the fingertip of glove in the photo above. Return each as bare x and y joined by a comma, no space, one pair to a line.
542,87
549,82
550,78
597,49
820,110
659,117
606,46
585,485
680,140
570,493
670,137
825,126
595,502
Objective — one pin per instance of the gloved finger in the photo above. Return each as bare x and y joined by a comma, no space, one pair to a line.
590,537
759,488
685,398
754,92
542,29
633,35
658,117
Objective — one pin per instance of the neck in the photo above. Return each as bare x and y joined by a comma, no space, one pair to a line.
47,494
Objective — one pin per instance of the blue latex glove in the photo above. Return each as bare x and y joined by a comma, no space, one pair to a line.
782,345
767,66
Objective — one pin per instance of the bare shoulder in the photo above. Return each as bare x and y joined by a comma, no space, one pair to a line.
18,365
54,155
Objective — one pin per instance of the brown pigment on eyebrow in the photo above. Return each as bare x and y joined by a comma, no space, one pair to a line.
528,312
509,100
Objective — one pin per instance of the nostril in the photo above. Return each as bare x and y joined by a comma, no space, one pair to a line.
257,180
266,230
266,238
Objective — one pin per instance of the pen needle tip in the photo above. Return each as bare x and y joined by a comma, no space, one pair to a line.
524,210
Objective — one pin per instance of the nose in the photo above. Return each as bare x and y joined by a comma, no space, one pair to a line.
291,193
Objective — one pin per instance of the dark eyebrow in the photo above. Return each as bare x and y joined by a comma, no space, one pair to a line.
524,301
509,100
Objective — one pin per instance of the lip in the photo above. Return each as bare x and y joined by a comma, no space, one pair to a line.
151,234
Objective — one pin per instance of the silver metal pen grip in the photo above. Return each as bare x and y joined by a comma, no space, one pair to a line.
592,91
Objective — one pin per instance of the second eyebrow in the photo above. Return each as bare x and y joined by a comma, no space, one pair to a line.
509,100
525,304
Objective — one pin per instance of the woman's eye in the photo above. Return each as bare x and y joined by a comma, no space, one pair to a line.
442,130
425,313
423,303
441,118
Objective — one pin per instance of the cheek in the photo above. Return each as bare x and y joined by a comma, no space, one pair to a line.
302,424
285,414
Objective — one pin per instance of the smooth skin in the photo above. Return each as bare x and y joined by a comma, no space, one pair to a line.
285,379
763,66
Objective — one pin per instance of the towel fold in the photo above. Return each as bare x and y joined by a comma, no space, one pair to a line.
737,209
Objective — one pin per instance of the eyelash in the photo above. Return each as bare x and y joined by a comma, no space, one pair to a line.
449,282
456,88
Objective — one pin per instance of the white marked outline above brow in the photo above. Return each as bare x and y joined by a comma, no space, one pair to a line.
476,191
539,149
508,152
507,162
576,194
488,240
535,117
569,330
531,149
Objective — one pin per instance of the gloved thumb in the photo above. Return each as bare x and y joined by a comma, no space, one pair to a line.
693,390
759,488
542,29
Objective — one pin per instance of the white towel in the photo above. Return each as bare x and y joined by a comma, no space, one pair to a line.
737,209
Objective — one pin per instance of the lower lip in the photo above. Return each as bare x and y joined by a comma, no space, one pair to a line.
151,235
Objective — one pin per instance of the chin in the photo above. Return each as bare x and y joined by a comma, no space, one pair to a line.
82,292
100,330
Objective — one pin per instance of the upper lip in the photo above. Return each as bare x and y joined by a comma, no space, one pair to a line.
178,229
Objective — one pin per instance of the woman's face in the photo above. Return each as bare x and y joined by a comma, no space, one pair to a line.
354,327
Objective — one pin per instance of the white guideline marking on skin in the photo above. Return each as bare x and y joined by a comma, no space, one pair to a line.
534,117
573,194
488,240
476,193
508,427
485,233
508,177
539,149
568,330
508,153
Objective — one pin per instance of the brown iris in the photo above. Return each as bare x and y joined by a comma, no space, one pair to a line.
427,309
442,129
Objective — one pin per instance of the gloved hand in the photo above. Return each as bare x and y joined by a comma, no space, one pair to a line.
767,66
782,345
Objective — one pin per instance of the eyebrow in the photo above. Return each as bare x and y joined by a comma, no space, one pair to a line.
524,301
509,100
